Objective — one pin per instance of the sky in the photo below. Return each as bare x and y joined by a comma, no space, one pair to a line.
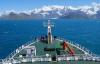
19,5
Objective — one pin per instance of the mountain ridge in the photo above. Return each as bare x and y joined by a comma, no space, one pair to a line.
56,11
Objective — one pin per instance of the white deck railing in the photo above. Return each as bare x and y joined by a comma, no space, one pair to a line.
17,51
85,50
82,57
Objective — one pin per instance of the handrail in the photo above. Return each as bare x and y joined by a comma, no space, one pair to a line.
85,50
18,50
82,57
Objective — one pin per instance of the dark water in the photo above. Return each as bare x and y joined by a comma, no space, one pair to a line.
14,33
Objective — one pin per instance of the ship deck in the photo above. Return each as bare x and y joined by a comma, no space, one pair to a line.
45,57
55,44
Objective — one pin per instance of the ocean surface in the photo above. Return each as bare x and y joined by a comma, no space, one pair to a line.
14,33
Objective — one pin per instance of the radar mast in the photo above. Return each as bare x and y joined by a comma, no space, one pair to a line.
49,32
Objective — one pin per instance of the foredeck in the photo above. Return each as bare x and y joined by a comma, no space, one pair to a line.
55,44
41,56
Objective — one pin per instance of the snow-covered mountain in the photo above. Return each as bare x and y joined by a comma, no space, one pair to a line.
56,11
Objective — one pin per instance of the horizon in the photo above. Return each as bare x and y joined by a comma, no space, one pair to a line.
21,5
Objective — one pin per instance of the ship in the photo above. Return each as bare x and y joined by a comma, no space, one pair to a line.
49,49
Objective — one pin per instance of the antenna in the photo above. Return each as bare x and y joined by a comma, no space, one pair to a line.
45,24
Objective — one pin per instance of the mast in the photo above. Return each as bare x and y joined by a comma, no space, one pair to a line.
49,31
